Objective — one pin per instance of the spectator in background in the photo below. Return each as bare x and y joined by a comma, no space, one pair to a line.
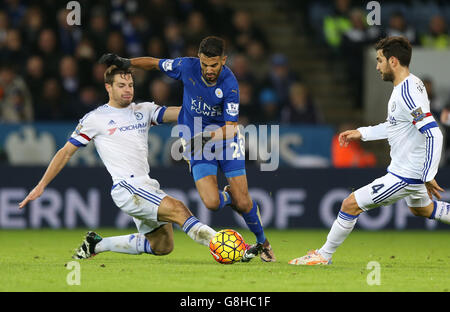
89,99
4,26
156,48
116,44
15,10
34,78
437,38
15,98
68,72
85,56
351,156
158,12
248,109
174,39
98,30
269,107
336,24
48,50
244,31
98,81
50,105
301,108
241,69
33,24
280,78
160,93
13,52
354,41
219,10
196,28
257,59
69,35
399,27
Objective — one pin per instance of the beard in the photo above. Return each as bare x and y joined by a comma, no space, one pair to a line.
387,76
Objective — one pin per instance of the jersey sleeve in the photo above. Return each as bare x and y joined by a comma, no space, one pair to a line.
172,67
231,101
415,102
371,133
85,131
156,112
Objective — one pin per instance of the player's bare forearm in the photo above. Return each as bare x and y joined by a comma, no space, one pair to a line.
147,63
171,114
226,132
57,163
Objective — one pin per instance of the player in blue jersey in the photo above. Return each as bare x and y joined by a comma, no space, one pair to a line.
210,110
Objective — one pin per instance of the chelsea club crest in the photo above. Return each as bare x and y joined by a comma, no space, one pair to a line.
138,115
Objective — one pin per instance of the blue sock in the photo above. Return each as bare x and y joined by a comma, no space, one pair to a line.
225,199
189,223
253,221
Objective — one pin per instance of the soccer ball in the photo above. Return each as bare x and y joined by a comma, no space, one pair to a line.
227,246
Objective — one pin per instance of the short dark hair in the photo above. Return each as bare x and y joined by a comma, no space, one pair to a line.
212,46
396,46
113,70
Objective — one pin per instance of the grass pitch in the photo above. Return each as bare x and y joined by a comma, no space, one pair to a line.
36,260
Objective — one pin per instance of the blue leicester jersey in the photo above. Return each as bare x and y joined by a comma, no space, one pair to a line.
214,103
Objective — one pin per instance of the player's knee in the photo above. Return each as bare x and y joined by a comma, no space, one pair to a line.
163,248
212,203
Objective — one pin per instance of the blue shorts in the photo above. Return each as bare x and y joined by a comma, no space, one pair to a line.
232,162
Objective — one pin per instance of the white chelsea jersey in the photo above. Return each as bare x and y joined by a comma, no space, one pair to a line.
412,132
120,136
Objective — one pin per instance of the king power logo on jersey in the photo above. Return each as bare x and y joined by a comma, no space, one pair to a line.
202,108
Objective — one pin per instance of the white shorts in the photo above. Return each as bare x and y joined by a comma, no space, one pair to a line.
390,189
140,198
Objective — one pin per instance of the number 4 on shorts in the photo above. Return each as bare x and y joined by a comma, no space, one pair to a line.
376,188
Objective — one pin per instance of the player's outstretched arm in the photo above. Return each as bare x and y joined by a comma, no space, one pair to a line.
349,135
58,162
171,114
147,63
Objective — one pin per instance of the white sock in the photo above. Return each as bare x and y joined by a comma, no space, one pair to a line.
341,228
198,231
133,244
441,212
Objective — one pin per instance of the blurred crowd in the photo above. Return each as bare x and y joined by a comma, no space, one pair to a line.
49,69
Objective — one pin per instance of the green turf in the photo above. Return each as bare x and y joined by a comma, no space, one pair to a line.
34,260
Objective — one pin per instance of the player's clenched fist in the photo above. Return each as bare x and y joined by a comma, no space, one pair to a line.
113,59
347,136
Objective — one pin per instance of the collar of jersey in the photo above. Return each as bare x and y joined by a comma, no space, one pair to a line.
209,84
118,109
